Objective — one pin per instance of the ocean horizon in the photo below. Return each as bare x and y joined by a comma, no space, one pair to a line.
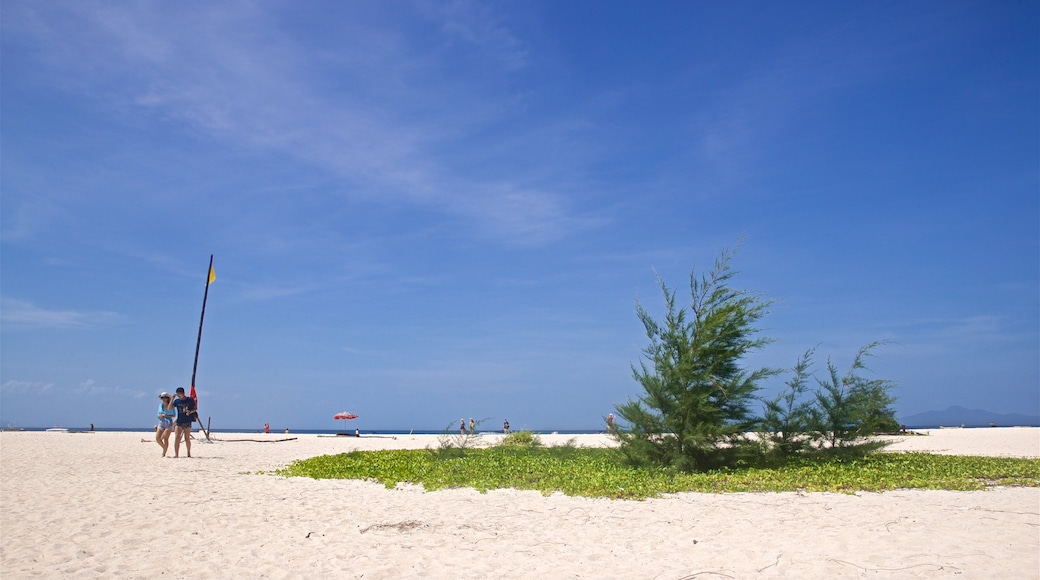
274,431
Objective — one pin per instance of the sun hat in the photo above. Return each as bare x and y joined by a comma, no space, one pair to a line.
163,395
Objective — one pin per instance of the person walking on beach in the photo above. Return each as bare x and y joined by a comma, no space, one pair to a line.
185,416
462,426
505,426
472,426
166,413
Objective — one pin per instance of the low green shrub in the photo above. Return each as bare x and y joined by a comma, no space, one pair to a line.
596,472
521,439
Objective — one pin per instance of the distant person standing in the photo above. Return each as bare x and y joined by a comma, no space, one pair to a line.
462,426
267,427
610,422
505,426
472,426
185,416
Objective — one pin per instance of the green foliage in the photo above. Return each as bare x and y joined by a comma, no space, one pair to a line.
852,407
454,442
842,413
696,407
521,439
603,473
789,419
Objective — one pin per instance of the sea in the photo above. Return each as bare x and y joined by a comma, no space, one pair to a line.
151,429
305,431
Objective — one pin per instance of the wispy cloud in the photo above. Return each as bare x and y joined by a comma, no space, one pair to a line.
261,293
475,23
366,353
12,387
20,314
976,329
90,388
481,376
763,113
374,110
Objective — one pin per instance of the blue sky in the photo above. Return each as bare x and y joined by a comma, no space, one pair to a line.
422,211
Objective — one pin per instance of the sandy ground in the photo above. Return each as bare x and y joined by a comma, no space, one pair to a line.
106,505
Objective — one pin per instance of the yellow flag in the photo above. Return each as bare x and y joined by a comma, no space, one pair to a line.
212,275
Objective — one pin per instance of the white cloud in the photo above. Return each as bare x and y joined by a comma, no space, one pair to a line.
476,24
983,329
376,109
90,388
363,352
20,314
484,376
11,387
260,293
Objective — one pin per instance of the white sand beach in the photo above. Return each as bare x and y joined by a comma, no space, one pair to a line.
106,505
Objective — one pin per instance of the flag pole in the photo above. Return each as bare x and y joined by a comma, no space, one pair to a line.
198,343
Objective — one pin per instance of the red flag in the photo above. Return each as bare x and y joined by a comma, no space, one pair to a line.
194,396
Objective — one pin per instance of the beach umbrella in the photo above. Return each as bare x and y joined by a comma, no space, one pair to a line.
345,416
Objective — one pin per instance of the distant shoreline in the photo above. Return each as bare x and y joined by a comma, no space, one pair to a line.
274,431
150,429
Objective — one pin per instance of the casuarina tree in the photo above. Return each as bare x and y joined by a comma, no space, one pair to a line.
852,407
790,420
696,408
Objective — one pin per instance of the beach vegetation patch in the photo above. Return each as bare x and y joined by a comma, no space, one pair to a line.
790,419
852,407
843,412
696,408
604,472
695,411
452,443
521,439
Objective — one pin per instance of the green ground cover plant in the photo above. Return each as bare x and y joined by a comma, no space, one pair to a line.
521,439
598,472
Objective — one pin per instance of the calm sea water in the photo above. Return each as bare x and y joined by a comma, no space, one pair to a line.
380,431
306,431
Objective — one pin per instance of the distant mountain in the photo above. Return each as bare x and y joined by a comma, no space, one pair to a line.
956,416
